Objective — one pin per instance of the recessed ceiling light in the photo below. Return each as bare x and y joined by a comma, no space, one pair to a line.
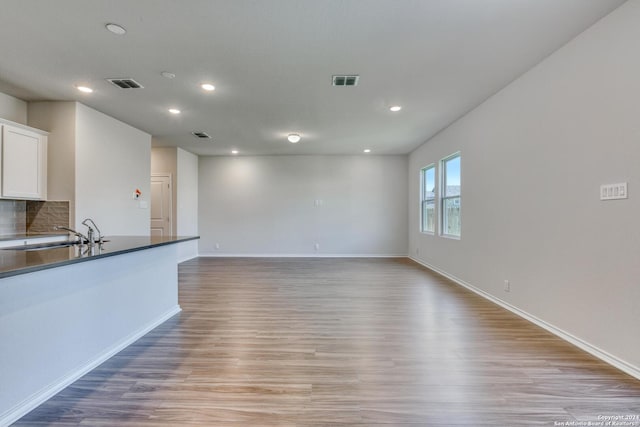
208,86
293,138
234,151
395,108
168,75
366,150
116,29
174,111
84,89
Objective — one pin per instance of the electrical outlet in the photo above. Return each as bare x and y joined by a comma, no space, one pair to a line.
507,286
417,251
217,245
317,246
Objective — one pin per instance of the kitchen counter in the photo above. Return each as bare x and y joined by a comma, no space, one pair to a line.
14,262
61,316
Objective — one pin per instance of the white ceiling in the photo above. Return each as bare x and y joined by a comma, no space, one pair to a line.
272,61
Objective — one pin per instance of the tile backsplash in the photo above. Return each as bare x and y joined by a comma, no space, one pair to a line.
31,216
13,218
41,217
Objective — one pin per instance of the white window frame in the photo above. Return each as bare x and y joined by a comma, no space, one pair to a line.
443,196
425,200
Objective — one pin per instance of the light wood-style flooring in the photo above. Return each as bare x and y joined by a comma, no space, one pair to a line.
322,342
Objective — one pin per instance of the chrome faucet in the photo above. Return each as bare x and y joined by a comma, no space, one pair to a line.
90,232
81,237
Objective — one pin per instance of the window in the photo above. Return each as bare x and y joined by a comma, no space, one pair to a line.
428,198
450,202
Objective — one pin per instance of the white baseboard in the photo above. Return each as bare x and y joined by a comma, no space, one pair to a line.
612,360
187,258
35,400
225,255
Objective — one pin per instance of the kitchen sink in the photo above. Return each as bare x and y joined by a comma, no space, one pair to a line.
42,246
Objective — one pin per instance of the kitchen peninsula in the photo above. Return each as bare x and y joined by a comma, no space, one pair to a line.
64,311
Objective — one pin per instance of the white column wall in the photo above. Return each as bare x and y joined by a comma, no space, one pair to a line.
112,160
187,203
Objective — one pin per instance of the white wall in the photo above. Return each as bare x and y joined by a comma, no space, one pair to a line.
112,160
266,205
187,203
533,158
58,118
95,162
13,109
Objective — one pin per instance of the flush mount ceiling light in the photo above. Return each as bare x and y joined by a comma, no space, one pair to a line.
234,151
395,108
84,89
366,150
168,75
207,86
174,111
293,138
115,29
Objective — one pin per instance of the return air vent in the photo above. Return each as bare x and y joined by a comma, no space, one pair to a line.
201,135
345,80
126,83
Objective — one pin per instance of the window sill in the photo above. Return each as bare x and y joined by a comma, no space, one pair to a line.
450,236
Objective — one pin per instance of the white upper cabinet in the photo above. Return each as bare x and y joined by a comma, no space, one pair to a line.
24,163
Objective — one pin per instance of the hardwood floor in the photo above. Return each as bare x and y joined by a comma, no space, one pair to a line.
362,342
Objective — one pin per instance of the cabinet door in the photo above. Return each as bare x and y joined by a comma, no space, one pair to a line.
23,163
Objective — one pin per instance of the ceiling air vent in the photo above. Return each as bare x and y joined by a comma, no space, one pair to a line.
126,83
201,135
345,80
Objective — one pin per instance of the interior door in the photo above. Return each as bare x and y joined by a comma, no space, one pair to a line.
161,205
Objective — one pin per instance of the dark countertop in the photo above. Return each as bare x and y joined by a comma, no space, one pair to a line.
14,262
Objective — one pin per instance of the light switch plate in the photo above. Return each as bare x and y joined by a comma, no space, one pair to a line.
614,191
